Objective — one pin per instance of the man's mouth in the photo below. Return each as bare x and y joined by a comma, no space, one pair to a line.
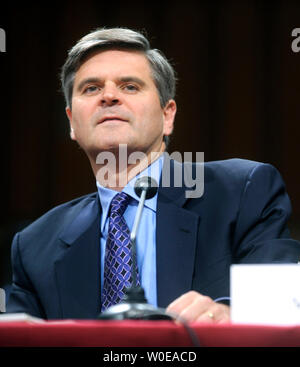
111,118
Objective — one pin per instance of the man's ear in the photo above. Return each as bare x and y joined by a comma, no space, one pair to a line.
69,114
169,117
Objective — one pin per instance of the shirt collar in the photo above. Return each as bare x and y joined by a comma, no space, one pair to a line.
106,195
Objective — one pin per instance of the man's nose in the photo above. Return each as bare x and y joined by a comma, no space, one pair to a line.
110,95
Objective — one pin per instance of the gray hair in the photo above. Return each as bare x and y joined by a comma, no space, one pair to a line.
163,73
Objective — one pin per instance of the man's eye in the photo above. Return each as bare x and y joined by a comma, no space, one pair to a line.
90,89
131,87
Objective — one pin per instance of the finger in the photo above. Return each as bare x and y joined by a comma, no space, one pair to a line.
199,306
190,306
182,302
217,313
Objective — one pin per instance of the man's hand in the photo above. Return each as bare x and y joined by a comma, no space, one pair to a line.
193,306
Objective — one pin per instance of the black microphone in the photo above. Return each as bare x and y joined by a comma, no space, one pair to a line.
134,305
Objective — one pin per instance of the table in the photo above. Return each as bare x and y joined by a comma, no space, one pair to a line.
90,333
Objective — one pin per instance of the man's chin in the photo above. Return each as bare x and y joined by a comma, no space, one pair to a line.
115,147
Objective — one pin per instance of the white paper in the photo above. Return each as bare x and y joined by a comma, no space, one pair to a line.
10,317
265,294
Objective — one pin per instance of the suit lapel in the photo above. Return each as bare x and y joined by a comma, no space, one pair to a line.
78,269
176,238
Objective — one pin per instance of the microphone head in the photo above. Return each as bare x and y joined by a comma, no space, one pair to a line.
147,184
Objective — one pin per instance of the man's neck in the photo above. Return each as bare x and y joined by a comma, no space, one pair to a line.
115,170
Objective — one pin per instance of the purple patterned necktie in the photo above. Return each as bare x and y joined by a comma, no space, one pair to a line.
118,257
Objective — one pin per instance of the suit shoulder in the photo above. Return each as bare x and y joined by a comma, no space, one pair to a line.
236,167
234,164
60,215
235,171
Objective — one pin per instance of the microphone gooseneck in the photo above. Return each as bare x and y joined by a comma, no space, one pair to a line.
145,188
134,304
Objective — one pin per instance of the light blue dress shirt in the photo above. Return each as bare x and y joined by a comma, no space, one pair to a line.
145,241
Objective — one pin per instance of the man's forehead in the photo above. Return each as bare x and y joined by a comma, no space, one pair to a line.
117,56
123,62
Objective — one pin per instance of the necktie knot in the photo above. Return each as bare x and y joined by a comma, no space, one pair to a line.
119,203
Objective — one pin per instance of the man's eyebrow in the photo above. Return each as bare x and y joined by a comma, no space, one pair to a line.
134,79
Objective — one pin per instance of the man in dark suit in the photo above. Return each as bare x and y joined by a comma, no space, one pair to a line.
120,93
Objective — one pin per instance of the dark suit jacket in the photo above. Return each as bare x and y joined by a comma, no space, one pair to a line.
241,218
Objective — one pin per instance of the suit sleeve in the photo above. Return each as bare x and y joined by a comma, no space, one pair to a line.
22,297
261,234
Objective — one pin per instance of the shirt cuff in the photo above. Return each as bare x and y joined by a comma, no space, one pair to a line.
224,300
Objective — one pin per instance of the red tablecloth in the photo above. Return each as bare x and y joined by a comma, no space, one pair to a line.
71,333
